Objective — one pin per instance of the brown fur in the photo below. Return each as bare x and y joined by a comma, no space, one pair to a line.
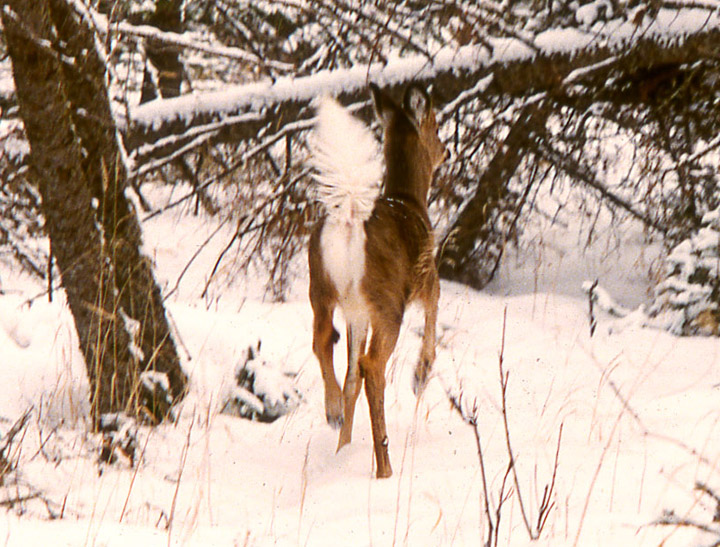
399,268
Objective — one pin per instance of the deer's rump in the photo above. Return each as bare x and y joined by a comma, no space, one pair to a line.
391,250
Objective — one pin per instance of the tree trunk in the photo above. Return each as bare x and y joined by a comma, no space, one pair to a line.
473,245
95,235
164,58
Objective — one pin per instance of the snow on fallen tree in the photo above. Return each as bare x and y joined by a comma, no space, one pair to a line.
555,61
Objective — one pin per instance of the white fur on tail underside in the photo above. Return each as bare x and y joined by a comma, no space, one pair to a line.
348,164
347,160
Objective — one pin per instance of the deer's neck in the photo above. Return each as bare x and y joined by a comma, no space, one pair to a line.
407,172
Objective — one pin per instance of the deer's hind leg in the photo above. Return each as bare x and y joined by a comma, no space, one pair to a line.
356,339
372,366
429,297
324,338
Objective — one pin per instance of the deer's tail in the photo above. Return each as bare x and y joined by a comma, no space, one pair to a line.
347,161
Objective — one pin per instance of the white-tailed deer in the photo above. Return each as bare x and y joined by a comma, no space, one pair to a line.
373,252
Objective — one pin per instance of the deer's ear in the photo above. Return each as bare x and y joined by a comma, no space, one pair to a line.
385,107
416,103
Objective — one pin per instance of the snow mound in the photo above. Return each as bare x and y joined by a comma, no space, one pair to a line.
260,392
686,302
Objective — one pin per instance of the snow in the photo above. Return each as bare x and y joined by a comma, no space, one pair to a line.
589,13
186,40
132,326
152,379
15,147
604,299
638,408
260,390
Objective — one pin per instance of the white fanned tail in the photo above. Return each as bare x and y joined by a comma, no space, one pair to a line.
346,157
348,163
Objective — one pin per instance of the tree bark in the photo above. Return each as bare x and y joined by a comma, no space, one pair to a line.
96,239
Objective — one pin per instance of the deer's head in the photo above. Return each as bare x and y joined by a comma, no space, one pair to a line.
411,139
417,113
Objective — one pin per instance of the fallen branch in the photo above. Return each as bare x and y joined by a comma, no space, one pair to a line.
517,68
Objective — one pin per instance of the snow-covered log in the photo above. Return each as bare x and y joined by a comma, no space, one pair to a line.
557,62
260,391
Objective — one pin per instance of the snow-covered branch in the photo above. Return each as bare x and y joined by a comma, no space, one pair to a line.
556,60
150,33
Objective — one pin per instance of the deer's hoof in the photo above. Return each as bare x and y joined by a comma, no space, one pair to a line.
419,382
334,420
334,409
384,474
384,470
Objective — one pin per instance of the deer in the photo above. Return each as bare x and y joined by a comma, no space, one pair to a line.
373,252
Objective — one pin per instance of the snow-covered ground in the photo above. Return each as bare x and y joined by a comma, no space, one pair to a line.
638,410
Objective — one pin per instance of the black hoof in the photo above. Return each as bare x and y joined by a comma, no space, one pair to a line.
336,422
418,384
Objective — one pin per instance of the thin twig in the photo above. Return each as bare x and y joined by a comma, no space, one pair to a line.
471,420
503,389
546,505
671,519
591,307
704,488
197,252
502,498
183,460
